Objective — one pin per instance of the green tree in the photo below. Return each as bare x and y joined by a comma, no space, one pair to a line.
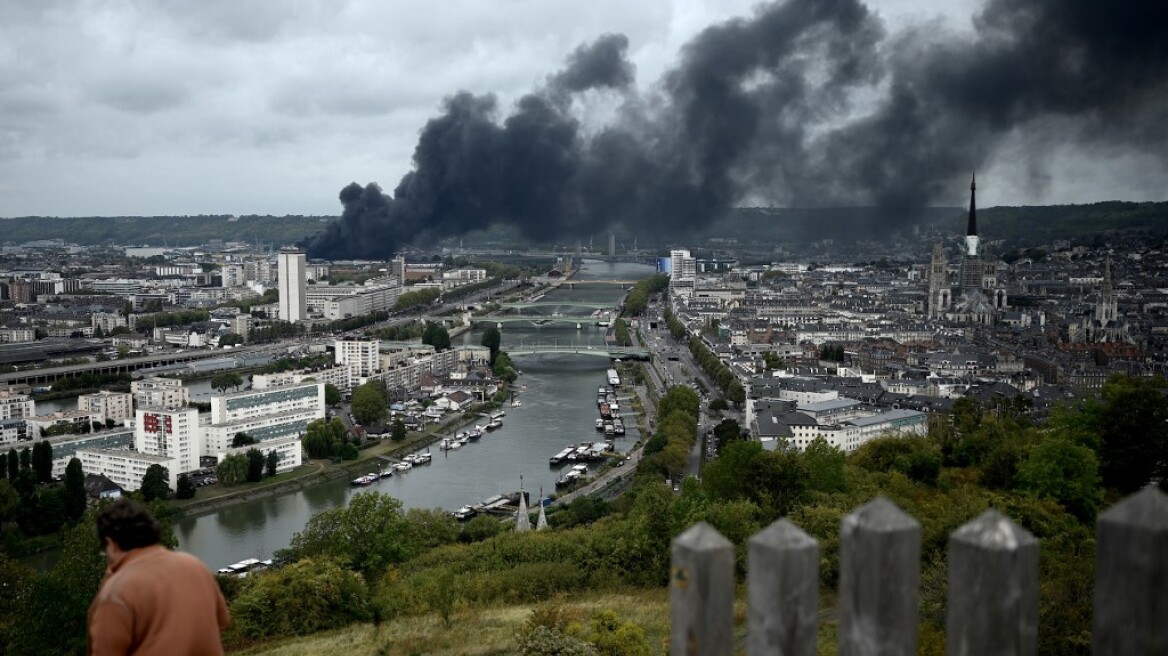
493,340
26,459
9,503
123,351
227,380
613,637
184,489
369,405
1134,431
242,439
368,535
272,463
42,461
322,437
436,335
332,395
13,464
255,465
300,598
504,368
75,499
775,481
1066,472
231,339
825,463
399,430
154,483
232,470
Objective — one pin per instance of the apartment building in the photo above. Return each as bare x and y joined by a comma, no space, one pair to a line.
157,392
107,406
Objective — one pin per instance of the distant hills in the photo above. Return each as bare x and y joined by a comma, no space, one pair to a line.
1027,225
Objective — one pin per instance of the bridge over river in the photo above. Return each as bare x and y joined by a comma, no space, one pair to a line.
620,352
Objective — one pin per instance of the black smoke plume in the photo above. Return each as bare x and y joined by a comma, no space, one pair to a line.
806,103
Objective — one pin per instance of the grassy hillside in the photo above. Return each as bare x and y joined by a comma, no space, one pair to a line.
472,631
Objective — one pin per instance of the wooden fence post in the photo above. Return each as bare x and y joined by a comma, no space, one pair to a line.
993,589
782,591
701,595
1131,576
880,572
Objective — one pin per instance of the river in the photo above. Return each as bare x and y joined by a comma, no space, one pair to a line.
558,408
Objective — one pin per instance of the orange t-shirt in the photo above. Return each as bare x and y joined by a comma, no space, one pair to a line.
157,601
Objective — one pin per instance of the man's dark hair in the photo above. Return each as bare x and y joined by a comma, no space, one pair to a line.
129,524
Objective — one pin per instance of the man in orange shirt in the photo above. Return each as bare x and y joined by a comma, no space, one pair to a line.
152,600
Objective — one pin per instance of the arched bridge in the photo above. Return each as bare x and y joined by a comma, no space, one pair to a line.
622,352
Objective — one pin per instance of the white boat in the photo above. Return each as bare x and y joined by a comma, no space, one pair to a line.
403,466
495,423
464,513
498,414
562,455
455,445
599,424
515,403
367,479
448,444
422,458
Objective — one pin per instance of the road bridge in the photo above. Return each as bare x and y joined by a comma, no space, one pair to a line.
619,352
543,304
534,319
47,375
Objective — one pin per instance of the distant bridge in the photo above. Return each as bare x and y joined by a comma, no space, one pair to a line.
543,304
623,352
46,375
534,319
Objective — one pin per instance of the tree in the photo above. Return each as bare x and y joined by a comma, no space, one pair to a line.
123,351
26,458
13,464
825,463
42,461
399,430
98,332
75,500
332,395
230,379
436,335
154,483
1066,472
242,439
368,535
232,470
272,462
1134,432
255,465
369,406
185,489
231,339
493,340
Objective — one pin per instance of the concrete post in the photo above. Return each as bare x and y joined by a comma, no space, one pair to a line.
880,573
993,589
1131,576
701,595
782,591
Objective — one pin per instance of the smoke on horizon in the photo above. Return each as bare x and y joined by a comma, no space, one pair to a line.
806,103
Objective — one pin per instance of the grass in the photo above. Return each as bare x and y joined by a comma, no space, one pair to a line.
473,631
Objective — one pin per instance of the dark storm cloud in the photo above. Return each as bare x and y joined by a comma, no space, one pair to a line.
808,102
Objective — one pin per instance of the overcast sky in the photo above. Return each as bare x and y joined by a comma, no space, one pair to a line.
271,107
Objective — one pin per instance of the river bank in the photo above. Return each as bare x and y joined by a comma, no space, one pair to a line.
318,471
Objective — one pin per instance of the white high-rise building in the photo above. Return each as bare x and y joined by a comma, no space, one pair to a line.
169,433
683,272
362,357
293,297
157,392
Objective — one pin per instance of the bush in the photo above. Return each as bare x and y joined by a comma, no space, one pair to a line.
300,598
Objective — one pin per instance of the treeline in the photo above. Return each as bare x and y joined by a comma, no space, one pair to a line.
676,327
638,297
620,330
399,333
352,323
91,380
164,230
667,451
716,369
416,299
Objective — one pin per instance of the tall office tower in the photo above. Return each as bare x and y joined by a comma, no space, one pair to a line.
293,298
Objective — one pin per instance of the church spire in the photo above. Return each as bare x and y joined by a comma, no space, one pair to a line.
971,231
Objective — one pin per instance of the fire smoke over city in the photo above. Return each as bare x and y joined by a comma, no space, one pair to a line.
805,103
